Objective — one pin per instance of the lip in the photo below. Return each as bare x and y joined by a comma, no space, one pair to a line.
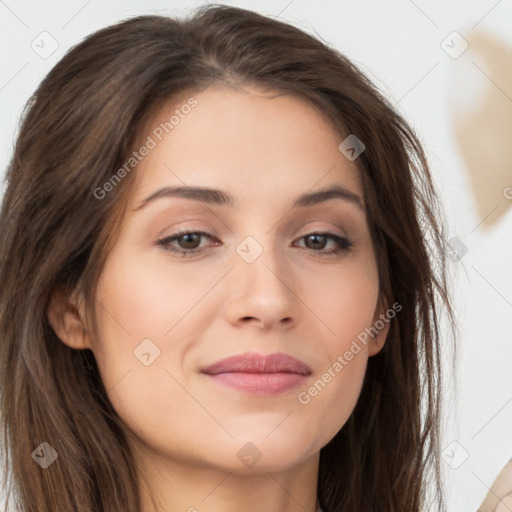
259,374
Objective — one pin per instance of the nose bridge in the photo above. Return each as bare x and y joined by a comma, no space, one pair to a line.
262,277
260,260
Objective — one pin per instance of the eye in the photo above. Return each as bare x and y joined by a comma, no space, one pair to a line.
318,241
189,243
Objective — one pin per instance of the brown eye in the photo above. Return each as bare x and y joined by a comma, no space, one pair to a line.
189,240
317,243
185,243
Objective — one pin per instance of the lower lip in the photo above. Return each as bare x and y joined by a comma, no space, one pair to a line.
260,383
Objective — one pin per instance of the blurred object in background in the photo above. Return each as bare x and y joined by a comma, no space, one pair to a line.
499,497
481,106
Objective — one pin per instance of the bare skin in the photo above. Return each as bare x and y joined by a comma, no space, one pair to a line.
297,297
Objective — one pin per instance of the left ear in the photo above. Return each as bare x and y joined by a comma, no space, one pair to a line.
381,323
66,315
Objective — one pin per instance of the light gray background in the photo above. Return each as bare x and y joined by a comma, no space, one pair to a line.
408,49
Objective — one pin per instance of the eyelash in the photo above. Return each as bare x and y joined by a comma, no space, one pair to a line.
344,244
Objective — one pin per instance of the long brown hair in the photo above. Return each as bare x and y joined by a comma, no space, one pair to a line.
78,129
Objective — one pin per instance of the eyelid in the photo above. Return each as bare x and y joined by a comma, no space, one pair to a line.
335,230
212,232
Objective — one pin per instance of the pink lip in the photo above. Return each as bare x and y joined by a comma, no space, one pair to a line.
259,374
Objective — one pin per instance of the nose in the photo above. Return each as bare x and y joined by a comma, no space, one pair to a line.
263,292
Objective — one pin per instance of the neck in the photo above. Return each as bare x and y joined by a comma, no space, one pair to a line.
195,487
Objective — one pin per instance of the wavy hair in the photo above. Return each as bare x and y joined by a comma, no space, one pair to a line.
78,128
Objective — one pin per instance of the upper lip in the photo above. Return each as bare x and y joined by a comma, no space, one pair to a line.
252,362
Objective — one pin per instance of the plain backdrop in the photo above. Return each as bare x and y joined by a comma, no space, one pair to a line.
447,66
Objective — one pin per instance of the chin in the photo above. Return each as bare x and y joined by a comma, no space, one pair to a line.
259,453
271,462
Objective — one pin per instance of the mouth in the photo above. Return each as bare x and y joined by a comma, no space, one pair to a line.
258,374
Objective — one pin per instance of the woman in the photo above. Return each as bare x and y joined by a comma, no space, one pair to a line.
222,264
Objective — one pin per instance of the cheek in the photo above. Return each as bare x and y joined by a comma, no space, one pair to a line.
147,314
347,310
327,403
143,328
345,304
148,298
344,300
136,302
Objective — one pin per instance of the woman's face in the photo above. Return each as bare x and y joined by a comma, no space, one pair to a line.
256,274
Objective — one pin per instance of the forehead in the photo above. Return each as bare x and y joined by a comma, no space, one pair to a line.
249,141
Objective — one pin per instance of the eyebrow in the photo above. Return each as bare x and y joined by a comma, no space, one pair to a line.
218,197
